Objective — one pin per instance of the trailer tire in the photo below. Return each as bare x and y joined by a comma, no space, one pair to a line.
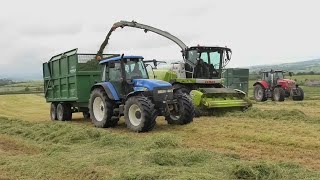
185,108
64,112
140,114
53,112
278,94
101,109
86,115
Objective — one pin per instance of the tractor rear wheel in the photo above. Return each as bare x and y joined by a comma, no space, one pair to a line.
101,109
185,112
53,111
299,96
259,93
64,112
278,94
140,114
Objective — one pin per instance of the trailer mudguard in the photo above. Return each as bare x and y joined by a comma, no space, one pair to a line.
109,89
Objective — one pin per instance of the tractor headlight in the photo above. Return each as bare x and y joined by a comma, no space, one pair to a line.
162,91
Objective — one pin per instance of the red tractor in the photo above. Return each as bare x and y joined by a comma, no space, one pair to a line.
273,85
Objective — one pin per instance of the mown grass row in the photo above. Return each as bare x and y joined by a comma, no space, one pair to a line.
66,151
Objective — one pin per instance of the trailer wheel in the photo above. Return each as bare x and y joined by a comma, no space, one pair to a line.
300,95
278,94
53,111
101,109
86,115
140,114
64,112
259,93
185,112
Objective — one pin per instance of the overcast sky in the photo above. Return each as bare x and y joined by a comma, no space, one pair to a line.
258,32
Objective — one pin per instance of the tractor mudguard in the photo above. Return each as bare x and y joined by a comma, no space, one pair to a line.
109,89
262,83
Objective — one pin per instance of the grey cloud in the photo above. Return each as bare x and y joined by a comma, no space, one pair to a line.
51,29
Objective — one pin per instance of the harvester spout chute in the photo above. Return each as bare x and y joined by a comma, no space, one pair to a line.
146,28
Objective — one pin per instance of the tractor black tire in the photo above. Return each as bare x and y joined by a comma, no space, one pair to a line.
64,112
300,96
140,114
278,94
101,109
186,91
53,112
86,115
259,93
185,108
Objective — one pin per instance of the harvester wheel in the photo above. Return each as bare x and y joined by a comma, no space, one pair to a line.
53,111
300,95
140,114
278,94
64,112
260,93
185,112
101,109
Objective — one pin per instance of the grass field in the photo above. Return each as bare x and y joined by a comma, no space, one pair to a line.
270,141
20,88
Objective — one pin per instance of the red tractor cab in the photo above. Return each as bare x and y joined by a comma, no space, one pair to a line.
273,85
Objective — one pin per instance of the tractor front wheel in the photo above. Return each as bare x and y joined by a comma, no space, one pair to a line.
299,96
101,109
140,114
185,110
260,93
278,94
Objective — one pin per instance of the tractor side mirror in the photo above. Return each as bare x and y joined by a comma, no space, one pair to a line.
290,74
112,65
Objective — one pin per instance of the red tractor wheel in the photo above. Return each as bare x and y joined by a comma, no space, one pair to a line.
260,93
278,94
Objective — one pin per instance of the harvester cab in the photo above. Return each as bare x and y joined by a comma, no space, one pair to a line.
274,85
125,89
198,76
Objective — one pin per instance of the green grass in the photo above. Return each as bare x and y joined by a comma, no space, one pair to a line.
272,140
62,150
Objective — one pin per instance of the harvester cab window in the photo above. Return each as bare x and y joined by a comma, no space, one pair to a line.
215,59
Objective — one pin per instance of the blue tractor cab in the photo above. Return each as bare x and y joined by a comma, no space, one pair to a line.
125,89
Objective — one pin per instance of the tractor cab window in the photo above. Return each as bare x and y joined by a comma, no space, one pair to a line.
278,75
135,69
114,73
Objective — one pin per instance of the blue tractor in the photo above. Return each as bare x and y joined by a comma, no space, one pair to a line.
126,90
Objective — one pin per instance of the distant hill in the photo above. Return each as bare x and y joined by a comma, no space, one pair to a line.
302,66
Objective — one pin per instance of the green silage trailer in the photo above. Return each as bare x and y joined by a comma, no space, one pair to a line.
236,78
68,78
